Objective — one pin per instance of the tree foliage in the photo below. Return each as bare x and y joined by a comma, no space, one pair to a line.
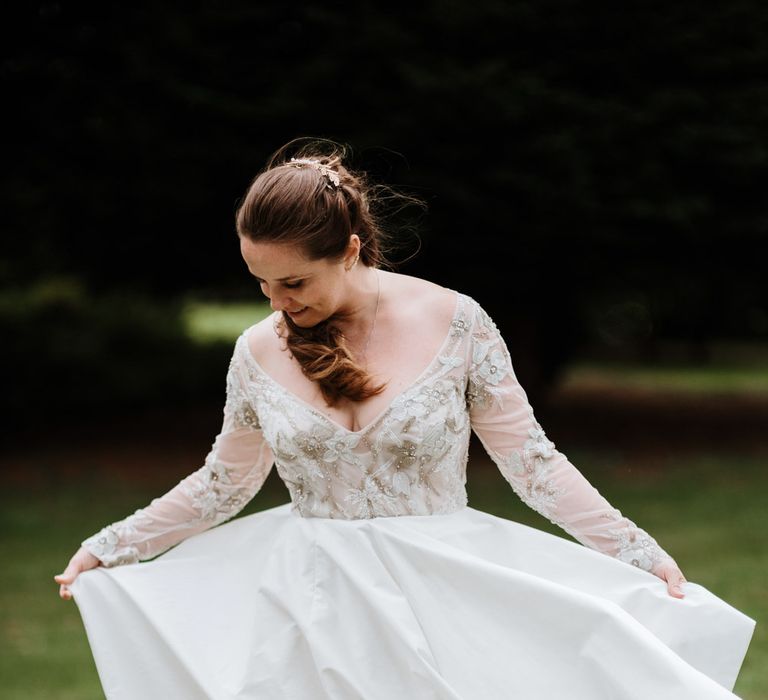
578,158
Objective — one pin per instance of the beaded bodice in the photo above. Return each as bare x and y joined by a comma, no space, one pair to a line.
410,460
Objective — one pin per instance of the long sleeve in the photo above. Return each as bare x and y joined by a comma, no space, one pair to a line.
233,472
540,475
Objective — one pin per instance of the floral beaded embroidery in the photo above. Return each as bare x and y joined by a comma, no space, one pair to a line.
529,472
637,547
108,545
216,495
238,405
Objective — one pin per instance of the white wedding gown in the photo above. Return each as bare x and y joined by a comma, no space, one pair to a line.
377,581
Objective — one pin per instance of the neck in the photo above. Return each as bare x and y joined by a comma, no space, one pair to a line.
364,296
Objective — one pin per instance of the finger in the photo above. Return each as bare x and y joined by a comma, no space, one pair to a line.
676,591
68,575
65,593
675,585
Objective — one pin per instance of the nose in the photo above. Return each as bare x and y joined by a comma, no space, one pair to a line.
278,302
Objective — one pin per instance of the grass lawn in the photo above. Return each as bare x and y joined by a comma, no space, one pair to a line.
709,512
701,380
211,321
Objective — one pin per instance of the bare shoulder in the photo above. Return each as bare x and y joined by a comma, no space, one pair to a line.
261,337
423,301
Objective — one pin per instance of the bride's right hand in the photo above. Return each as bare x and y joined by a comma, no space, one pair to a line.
81,561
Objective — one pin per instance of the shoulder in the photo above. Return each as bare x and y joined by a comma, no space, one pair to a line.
259,336
421,300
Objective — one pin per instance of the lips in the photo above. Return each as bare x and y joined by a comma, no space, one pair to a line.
298,311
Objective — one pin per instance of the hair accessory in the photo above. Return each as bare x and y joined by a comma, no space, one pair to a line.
332,177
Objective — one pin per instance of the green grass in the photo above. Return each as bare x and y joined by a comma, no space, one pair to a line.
707,511
209,321
691,380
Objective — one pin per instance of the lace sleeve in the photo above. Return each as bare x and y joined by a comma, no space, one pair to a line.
538,473
233,472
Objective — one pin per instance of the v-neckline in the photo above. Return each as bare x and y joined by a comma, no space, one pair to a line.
387,408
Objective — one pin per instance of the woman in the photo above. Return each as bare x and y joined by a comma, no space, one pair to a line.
378,580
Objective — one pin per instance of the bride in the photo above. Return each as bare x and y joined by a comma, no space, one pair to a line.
378,580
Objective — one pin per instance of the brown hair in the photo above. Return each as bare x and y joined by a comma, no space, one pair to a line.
318,212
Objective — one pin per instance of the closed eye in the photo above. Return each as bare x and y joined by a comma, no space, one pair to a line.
287,285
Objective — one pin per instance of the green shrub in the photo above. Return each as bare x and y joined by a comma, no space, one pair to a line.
67,350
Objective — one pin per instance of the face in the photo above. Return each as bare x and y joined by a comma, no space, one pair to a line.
308,290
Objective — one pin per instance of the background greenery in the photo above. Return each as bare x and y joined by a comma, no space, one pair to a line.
592,170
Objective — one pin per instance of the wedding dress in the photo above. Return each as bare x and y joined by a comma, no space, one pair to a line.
377,581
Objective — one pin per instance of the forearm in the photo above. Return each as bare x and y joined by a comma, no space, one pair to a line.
205,498
547,482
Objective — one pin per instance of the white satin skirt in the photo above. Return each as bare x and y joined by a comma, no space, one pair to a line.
463,606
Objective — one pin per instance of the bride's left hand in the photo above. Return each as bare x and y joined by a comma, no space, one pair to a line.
667,570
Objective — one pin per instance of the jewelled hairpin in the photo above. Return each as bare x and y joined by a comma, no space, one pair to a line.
332,177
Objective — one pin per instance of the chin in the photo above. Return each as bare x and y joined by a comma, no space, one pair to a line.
304,318
308,318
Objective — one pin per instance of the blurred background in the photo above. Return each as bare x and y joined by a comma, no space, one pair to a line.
593,178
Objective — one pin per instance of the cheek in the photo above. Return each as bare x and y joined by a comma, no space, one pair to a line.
316,294
321,295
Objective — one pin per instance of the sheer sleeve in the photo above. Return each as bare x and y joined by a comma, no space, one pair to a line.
538,473
233,472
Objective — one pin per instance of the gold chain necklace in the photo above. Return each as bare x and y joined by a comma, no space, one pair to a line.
375,314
